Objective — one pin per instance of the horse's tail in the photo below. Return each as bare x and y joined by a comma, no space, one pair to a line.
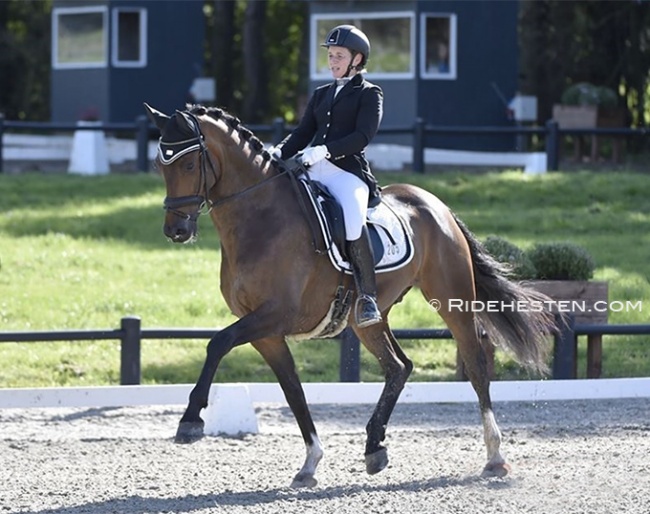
521,321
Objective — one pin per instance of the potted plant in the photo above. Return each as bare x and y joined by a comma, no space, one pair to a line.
563,271
584,105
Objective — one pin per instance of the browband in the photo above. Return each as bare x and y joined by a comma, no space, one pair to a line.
169,152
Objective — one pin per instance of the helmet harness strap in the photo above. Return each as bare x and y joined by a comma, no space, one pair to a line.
351,66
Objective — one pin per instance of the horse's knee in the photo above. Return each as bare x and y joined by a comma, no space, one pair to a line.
408,366
217,348
398,373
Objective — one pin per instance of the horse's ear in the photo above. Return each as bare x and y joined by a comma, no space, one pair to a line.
188,125
158,118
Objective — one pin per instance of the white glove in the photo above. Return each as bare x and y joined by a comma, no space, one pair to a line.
275,152
314,154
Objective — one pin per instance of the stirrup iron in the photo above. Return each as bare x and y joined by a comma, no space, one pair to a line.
366,312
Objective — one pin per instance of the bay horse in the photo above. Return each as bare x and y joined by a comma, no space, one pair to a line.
278,286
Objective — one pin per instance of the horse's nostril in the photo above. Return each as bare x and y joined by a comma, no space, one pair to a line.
177,232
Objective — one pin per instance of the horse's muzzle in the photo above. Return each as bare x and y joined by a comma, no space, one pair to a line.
180,230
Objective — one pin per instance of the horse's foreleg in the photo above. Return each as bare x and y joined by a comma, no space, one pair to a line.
278,356
246,329
379,340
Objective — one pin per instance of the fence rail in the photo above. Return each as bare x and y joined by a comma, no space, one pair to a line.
131,334
276,131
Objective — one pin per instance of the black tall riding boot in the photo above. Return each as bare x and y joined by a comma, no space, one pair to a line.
363,268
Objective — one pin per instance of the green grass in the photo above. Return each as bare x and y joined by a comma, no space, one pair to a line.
82,252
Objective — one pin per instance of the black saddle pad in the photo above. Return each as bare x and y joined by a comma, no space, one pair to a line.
333,213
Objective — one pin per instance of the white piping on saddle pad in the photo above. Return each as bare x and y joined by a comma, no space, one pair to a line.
398,248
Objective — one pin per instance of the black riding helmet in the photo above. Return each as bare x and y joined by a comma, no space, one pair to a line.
350,37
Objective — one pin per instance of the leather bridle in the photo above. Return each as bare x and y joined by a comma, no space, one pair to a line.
200,198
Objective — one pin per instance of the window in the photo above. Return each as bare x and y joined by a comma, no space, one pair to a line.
129,47
438,58
391,42
79,37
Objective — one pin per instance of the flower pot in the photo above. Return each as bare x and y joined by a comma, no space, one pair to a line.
89,155
588,302
591,116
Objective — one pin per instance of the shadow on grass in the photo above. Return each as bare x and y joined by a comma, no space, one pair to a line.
137,226
606,214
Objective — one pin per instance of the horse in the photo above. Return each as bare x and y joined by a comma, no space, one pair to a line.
279,287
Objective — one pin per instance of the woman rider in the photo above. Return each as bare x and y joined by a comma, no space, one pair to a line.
339,122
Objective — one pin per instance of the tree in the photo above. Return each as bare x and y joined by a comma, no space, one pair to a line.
25,59
221,52
255,72
605,43
257,54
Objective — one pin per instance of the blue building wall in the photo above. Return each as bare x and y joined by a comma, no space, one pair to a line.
174,43
487,74
485,78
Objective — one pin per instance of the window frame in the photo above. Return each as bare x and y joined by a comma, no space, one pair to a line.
56,13
453,47
142,61
315,45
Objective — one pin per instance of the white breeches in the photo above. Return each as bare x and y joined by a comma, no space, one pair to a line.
349,190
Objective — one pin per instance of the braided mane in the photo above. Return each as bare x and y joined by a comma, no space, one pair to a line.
235,123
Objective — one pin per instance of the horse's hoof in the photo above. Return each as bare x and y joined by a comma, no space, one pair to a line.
303,481
499,469
189,432
377,461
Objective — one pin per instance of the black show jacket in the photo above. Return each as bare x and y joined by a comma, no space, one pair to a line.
345,124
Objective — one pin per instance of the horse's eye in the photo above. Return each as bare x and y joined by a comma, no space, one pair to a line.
189,166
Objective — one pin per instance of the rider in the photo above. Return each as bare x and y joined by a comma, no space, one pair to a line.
340,120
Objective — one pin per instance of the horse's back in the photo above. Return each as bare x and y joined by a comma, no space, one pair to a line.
422,209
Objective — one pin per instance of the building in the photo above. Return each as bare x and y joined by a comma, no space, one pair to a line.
451,63
110,56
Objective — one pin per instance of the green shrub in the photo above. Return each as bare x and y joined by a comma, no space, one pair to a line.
584,93
561,261
508,253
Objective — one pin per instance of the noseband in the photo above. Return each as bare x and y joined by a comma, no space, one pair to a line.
169,152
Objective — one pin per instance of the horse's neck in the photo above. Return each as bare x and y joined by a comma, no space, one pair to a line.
250,203
240,172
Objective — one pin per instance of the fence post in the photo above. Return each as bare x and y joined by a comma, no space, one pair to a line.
564,349
130,351
552,145
2,133
142,140
418,146
277,134
350,349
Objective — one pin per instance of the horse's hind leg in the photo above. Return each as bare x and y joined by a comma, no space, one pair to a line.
463,328
476,368
278,356
449,286
379,340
